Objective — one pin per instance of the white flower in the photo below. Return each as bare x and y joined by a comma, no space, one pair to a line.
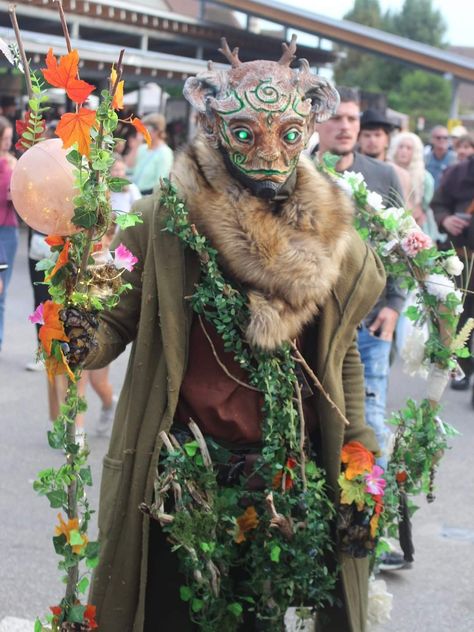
413,352
392,213
440,286
375,200
353,178
380,603
345,186
407,224
453,265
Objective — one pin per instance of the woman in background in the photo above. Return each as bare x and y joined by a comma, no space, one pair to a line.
8,218
153,162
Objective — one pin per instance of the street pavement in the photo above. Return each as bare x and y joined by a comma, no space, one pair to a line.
435,595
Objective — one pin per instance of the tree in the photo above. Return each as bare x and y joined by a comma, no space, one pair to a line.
419,21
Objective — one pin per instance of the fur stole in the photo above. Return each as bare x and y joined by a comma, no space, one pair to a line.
287,255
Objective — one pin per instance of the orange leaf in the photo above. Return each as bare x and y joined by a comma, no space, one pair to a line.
66,528
374,524
357,458
75,128
117,101
60,75
89,616
54,240
138,125
53,328
61,261
58,367
64,75
78,90
246,522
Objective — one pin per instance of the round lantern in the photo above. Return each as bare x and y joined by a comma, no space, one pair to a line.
42,188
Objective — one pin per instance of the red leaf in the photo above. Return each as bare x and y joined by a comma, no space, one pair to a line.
75,128
64,75
78,90
21,126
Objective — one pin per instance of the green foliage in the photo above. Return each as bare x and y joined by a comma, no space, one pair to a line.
416,92
208,534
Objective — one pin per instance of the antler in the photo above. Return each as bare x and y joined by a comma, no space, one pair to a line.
288,52
232,56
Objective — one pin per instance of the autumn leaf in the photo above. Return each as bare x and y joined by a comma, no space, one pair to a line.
61,261
53,328
287,470
55,366
352,492
75,128
374,524
117,101
55,240
246,522
89,616
64,75
138,125
359,460
70,530
21,127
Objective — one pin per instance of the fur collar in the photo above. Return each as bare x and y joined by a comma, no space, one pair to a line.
288,257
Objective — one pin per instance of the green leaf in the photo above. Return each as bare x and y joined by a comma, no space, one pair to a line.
412,312
38,626
275,553
84,217
191,448
75,158
196,605
92,549
83,585
76,614
185,593
235,608
57,498
124,220
86,475
117,184
59,542
92,562
75,538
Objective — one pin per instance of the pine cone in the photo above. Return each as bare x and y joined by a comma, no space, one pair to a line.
80,327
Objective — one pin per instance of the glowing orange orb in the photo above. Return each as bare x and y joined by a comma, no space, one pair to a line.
42,188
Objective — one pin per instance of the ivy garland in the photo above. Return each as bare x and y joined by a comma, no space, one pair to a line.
240,549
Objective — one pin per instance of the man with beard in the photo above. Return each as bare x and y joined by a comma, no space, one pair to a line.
284,236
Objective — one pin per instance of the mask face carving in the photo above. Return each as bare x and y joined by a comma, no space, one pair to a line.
261,114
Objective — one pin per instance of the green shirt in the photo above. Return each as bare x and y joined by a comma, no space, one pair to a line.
151,165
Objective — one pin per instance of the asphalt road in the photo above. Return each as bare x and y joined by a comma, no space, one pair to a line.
435,595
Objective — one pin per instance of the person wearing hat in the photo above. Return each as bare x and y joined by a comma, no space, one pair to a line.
374,141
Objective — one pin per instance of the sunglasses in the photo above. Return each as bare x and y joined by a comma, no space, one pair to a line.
441,137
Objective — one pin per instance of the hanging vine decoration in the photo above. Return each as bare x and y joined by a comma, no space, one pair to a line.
408,254
69,319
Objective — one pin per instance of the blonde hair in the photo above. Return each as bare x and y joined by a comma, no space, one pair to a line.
416,168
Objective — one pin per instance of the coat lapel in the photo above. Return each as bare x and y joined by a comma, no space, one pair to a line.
177,271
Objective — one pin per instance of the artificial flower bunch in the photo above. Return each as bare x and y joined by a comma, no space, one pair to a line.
361,503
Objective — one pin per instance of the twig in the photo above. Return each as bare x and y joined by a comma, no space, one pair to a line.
202,443
62,17
299,401
21,49
166,440
220,363
278,521
299,358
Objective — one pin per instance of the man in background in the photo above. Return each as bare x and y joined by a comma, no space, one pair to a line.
439,157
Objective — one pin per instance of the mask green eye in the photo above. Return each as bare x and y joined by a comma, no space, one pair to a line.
244,135
292,136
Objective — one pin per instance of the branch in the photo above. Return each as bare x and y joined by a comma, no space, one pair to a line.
299,358
299,402
21,49
62,17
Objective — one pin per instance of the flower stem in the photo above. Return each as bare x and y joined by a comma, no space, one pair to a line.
21,48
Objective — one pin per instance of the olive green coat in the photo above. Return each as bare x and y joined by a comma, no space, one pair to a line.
156,317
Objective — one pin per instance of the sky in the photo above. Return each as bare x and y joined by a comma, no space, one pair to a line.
458,14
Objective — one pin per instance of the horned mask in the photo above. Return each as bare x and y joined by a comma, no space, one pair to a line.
260,114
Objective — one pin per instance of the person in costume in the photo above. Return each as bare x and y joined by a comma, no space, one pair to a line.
284,236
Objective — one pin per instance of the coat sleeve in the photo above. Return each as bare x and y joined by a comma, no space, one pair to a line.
118,326
354,395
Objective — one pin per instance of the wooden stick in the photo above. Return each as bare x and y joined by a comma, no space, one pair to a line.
21,49
219,361
62,17
202,443
299,358
299,401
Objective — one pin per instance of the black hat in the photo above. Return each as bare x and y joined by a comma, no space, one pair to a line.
372,119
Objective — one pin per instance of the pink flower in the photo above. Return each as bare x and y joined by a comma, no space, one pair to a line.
123,258
37,318
415,241
374,483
